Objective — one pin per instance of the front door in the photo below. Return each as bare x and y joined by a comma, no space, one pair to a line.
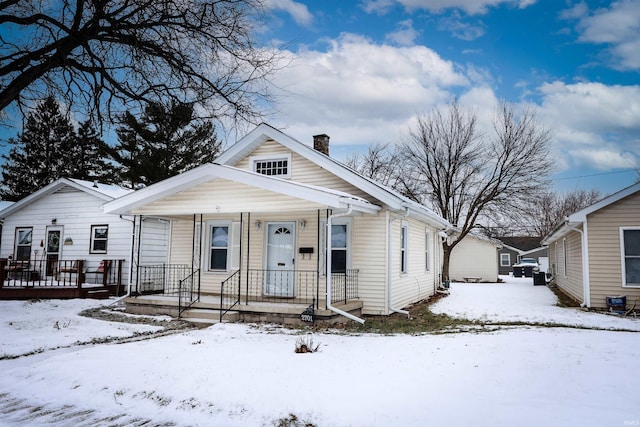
279,278
53,249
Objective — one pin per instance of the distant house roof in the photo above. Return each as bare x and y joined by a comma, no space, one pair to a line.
522,243
101,191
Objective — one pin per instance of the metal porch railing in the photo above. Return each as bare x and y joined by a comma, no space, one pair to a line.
229,293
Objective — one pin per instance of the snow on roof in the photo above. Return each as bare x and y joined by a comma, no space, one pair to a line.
110,190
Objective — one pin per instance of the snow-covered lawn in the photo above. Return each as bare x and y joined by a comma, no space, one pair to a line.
242,375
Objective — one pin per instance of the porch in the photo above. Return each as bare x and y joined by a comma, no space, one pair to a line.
42,278
281,296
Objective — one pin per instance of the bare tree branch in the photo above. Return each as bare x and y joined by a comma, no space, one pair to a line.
109,56
470,178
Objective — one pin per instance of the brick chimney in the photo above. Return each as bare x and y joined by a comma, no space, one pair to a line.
321,143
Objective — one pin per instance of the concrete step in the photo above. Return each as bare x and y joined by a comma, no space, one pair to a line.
206,318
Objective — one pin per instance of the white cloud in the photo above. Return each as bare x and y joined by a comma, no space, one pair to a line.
405,35
298,11
471,7
593,124
361,92
617,26
460,29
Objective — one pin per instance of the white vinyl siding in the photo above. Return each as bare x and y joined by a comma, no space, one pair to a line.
427,250
75,225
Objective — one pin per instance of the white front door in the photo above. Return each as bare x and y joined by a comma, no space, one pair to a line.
279,278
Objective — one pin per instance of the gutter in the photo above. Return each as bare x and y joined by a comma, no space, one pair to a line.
328,246
390,263
586,286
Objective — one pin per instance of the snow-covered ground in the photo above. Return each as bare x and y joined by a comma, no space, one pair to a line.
242,375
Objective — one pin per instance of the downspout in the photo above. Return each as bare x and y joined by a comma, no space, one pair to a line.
133,235
328,246
586,287
390,262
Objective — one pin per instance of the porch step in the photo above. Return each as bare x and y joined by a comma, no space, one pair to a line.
97,294
204,317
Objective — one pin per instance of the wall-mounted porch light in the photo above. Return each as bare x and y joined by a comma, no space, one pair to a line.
303,224
258,225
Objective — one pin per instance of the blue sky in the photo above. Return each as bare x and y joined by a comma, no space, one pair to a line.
360,71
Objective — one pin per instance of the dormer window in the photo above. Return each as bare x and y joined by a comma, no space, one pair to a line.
279,166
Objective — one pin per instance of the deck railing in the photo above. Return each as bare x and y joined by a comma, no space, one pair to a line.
42,272
294,286
161,278
344,286
252,285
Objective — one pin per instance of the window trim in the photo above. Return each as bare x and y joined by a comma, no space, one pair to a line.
508,258
209,247
323,242
15,246
623,258
404,247
253,160
93,239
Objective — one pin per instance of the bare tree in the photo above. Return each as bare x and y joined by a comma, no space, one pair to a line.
470,178
109,56
379,163
548,210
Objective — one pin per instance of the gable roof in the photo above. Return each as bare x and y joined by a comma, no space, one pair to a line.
394,200
580,217
101,191
521,243
212,171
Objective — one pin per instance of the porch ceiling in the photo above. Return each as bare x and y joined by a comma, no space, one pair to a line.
214,188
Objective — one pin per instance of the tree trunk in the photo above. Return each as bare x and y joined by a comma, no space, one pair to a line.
446,257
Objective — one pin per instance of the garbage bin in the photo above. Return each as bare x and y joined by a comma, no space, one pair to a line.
539,278
617,304
517,271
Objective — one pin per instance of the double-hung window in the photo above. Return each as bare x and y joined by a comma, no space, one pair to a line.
219,246
630,249
23,243
99,237
223,245
505,259
340,245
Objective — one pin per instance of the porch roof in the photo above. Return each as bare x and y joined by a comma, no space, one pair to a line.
212,171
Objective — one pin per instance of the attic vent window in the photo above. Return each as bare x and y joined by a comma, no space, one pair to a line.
279,167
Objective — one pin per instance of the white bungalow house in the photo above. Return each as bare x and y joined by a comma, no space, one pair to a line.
595,252
276,228
58,243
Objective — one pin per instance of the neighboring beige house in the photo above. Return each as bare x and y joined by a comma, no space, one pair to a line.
474,259
275,227
595,253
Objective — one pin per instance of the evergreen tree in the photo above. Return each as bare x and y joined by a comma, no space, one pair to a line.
40,154
90,153
163,143
48,149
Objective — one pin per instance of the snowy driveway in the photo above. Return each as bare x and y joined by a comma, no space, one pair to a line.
517,300
239,375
